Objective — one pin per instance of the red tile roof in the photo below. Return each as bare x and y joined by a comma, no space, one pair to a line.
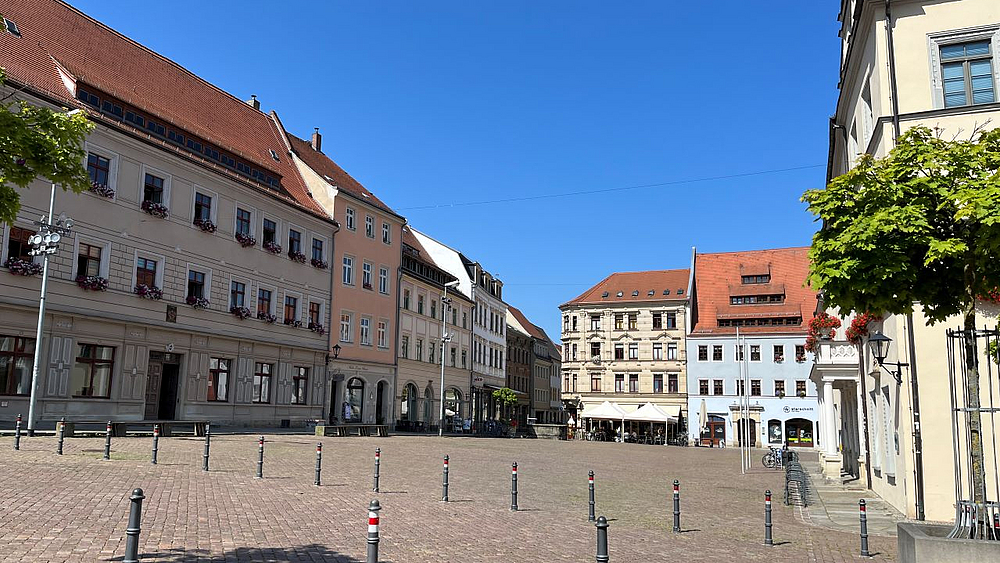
636,287
55,35
718,277
531,328
334,174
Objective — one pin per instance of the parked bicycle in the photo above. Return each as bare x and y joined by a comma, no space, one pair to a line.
774,458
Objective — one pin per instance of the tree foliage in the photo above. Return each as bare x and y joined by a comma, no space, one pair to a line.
505,396
37,142
921,225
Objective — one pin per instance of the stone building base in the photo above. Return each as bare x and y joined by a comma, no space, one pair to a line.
918,542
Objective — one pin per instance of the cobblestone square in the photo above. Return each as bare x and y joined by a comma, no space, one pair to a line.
75,507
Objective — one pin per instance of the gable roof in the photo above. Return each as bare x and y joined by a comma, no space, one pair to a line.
59,41
526,324
636,287
334,174
718,277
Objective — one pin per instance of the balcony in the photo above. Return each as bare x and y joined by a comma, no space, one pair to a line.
836,352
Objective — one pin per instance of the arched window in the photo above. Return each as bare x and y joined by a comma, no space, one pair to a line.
408,403
353,406
452,405
428,399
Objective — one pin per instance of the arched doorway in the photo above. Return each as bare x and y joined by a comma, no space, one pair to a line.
740,435
428,400
452,407
714,433
408,403
380,402
355,400
799,433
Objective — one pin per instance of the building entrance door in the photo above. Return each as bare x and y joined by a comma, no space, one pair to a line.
379,403
334,405
753,431
170,378
153,379
714,434
163,377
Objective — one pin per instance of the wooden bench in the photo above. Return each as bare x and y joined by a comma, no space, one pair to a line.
343,430
119,428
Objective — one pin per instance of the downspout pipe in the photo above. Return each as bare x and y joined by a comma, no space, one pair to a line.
918,456
329,321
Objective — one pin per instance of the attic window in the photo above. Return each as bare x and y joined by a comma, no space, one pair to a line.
635,293
365,194
12,27
620,294
666,292
651,293
274,155
680,291
603,295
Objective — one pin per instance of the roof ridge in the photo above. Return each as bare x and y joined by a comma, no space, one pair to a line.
157,55
755,250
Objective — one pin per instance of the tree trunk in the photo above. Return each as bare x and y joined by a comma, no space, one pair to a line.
978,466
862,380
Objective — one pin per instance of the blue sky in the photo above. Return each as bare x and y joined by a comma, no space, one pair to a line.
436,105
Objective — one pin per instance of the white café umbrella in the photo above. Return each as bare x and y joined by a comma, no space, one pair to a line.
703,416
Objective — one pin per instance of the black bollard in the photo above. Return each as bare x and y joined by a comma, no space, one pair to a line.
864,529
132,532
513,486
590,481
107,442
62,435
444,481
602,540
17,433
260,458
319,462
378,461
208,441
768,540
677,506
373,509
156,441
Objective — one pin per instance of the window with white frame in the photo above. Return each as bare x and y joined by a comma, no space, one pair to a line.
369,226
967,73
671,351
657,351
366,275
381,333
348,272
366,331
345,327
349,219
386,233
92,259
383,280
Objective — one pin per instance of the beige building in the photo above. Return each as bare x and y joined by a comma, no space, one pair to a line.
623,341
183,291
420,352
922,62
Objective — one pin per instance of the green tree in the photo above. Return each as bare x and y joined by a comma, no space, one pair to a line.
920,226
505,397
38,142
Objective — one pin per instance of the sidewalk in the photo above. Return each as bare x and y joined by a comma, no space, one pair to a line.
834,505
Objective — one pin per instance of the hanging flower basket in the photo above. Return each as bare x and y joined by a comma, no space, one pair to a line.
197,302
267,317
22,267
101,189
205,225
92,283
148,291
319,264
861,326
317,328
245,240
821,327
240,313
293,322
155,209
272,247
297,257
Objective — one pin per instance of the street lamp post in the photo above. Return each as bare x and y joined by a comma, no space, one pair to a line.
44,243
445,338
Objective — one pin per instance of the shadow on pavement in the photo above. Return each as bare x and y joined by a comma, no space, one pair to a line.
311,552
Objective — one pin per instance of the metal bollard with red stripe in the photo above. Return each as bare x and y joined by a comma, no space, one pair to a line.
373,509
107,442
156,441
513,487
864,528
768,540
590,481
444,481
17,433
677,506
378,461
260,458
319,462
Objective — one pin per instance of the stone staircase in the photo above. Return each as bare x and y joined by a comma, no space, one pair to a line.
834,504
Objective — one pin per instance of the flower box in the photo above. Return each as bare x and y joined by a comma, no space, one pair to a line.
205,225
155,209
367,286
267,317
800,359
148,291
245,240
779,359
317,328
297,257
293,322
92,283
101,189
197,302
319,264
21,267
272,247
240,313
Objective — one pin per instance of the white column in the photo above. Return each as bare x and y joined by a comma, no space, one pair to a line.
830,423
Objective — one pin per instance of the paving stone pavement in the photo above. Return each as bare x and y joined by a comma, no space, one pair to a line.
836,505
75,507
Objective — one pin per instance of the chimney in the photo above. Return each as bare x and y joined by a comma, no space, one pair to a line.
317,140
254,102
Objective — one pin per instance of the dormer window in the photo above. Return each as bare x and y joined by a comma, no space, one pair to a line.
620,294
11,27
764,278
